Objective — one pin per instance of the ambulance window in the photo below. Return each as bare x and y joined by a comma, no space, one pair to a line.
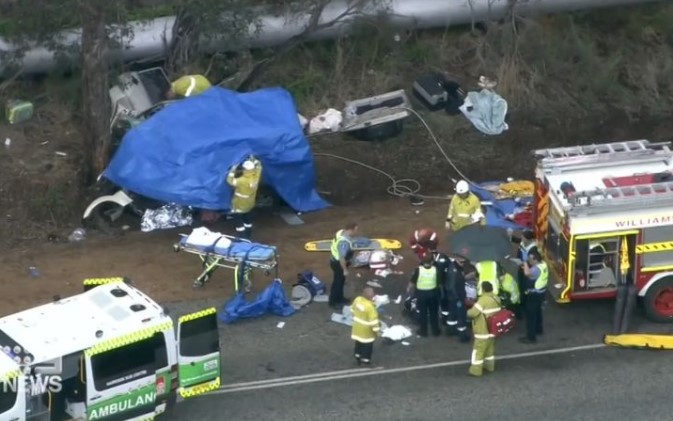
199,337
130,362
7,398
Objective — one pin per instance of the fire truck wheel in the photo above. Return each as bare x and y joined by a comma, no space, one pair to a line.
659,301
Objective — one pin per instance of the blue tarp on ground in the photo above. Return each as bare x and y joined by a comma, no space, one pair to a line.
497,212
272,300
183,153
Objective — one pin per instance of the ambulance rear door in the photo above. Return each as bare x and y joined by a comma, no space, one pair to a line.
198,353
121,377
13,397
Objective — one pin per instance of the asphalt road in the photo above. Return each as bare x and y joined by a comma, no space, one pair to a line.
257,349
581,385
585,385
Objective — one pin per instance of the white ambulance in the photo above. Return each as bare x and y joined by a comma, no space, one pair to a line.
110,353
604,217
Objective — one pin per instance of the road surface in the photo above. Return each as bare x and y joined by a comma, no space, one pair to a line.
590,384
272,373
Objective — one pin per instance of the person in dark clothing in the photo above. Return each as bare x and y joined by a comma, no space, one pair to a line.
526,245
537,275
426,280
456,295
341,254
443,264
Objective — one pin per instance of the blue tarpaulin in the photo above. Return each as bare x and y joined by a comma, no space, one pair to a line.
183,153
496,214
272,300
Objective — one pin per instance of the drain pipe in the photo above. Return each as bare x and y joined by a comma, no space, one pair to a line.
150,38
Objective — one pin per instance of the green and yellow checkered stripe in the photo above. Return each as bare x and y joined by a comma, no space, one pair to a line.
102,281
130,338
654,247
200,389
197,315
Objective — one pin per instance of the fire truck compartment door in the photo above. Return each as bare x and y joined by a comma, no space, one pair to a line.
198,353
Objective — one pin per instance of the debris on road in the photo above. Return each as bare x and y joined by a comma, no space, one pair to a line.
396,333
77,235
166,217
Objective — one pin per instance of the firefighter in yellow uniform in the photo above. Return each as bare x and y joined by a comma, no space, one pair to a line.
488,272
189,85
483,351
464,209
366,326
245,184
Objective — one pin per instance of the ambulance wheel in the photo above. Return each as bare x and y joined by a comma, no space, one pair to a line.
659,301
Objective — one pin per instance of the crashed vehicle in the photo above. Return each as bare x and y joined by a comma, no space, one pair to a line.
182,153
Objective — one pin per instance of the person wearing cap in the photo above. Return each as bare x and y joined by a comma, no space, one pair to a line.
188,85
465,208
526,245
426,280
245,182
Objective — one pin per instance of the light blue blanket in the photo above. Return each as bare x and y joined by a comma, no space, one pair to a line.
486,110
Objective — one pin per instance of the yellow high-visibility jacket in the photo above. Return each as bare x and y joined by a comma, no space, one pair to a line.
245,189
488,272
365,320
511,288
487,305
461,211
190,85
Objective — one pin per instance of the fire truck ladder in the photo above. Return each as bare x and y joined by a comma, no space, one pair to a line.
605,154
612,199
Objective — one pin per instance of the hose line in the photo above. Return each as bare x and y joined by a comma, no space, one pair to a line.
406,187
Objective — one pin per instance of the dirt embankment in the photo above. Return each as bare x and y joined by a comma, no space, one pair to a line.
568,79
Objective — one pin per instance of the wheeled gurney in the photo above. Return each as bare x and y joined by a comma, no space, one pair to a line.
232,253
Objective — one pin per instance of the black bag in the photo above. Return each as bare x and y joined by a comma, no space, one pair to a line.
411,308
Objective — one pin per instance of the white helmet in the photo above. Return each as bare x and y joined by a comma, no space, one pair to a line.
248,165
462,187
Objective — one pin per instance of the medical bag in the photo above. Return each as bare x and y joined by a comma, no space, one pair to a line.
500,322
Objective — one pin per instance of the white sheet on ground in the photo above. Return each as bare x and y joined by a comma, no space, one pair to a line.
396,333
486,110
329,121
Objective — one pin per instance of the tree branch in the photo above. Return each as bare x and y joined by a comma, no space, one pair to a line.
314,25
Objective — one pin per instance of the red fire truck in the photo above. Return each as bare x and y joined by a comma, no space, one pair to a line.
593,204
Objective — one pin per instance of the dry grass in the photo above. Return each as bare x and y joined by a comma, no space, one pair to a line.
552,69
555,72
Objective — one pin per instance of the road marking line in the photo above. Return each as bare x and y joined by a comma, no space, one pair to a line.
355,373
306,376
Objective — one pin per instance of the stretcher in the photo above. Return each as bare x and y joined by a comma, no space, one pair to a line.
232,253
359,244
